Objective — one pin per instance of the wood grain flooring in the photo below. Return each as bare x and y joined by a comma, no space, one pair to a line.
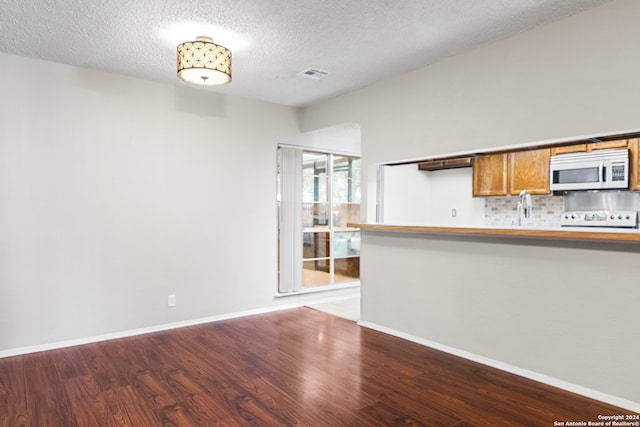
296,367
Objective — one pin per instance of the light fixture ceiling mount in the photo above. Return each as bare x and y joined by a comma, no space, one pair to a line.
203,62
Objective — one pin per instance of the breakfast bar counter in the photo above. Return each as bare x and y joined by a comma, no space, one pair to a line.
591,235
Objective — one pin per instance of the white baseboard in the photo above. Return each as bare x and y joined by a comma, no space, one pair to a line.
296,302
554,382
353,290
140,331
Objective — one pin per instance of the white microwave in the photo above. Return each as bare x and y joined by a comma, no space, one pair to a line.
597,170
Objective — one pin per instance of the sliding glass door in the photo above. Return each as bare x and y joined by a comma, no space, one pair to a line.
328,200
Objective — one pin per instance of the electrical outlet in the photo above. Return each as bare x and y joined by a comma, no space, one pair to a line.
171,300
454,213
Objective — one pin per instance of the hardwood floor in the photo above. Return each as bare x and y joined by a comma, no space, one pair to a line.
295,367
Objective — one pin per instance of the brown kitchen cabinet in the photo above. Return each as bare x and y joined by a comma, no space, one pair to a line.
510,173
566,149
490,175
529,170
442,164
592,146
603,145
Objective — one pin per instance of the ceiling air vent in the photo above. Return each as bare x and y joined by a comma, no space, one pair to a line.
313,74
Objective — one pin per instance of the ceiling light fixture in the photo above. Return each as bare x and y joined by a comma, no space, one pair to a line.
203,62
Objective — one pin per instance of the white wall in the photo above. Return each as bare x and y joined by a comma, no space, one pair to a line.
407,193
115,192
452,189
414,197
577,76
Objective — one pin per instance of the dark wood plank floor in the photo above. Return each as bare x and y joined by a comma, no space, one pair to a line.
295,367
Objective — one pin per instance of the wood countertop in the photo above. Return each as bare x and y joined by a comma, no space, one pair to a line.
526,233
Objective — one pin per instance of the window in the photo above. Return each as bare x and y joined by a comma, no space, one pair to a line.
319,195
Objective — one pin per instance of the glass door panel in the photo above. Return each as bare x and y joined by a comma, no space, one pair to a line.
346,179
315,215
346,269
315,188
315,177
344,213
315,245
346,244
345,192
316,273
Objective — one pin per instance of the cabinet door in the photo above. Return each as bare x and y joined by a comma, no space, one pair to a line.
565,149
634,164
620,143
490,175
529,170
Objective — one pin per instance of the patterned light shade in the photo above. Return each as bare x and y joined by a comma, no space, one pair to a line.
204,62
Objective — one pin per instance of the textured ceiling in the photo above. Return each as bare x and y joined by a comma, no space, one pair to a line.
358,42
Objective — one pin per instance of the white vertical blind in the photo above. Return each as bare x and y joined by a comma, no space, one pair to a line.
290,219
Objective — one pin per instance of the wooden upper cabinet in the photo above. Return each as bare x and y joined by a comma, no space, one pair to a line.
529,170
587,148
634,164
619,143
451,163
510,173
566,149
490,175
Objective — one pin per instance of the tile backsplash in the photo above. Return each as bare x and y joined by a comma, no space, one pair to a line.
502,211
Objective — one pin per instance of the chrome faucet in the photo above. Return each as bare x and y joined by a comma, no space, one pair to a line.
524,206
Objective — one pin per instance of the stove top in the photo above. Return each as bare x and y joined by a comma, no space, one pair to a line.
622,219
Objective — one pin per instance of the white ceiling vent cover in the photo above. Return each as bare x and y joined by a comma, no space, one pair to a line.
313,74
